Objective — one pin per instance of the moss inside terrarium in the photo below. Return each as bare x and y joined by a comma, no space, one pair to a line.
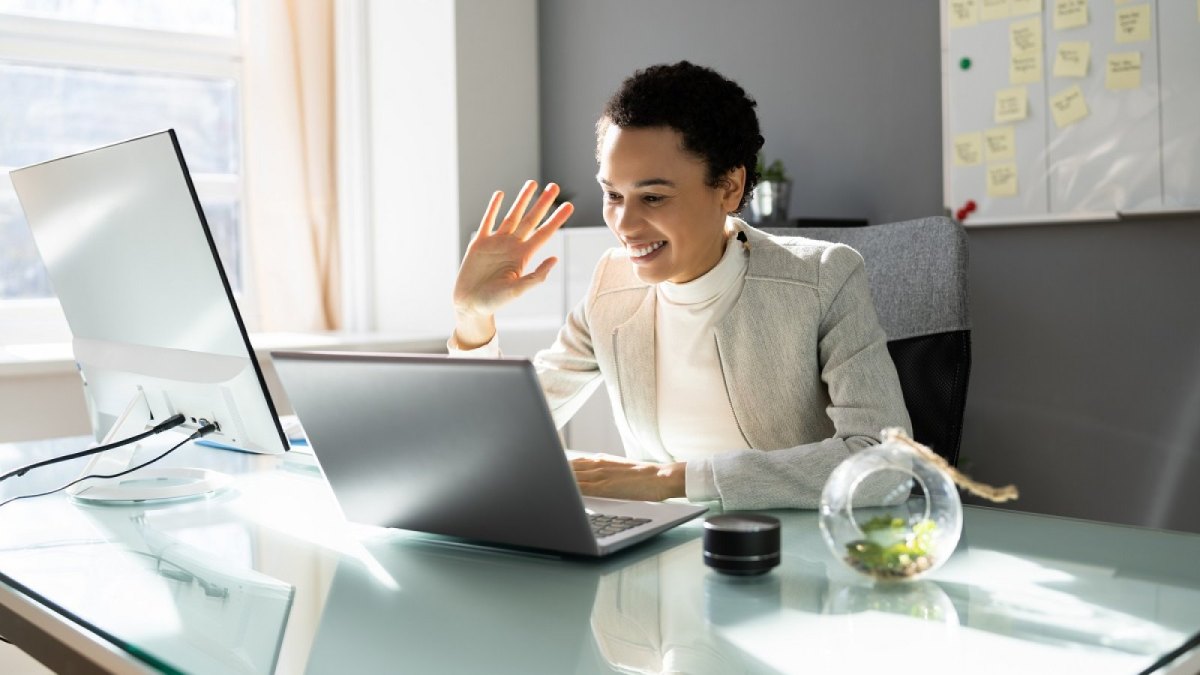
891,549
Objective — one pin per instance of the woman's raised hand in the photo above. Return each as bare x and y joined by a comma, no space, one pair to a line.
493,270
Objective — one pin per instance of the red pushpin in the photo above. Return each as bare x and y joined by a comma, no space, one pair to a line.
970,206
960,215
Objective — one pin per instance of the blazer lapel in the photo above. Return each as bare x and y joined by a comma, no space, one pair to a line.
637,380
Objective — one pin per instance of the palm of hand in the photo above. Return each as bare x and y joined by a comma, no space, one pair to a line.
493,270
491,273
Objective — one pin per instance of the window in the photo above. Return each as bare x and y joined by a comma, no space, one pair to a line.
77,74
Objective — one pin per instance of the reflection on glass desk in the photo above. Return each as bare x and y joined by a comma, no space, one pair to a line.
266,577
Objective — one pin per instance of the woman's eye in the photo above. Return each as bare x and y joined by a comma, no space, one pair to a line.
653,199
612,197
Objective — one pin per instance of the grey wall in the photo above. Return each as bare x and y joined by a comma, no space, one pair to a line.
1085,388
1085,384
834,79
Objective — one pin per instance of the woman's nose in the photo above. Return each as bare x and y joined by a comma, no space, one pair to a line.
623,220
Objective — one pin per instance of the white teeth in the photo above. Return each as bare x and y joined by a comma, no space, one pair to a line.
639,251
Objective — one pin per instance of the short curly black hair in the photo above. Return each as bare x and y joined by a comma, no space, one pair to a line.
714,115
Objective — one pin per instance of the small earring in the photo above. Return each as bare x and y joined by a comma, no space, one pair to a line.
741,236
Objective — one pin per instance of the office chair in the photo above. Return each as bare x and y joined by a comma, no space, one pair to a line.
917,271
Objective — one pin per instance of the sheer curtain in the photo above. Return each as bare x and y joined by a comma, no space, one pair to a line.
292,230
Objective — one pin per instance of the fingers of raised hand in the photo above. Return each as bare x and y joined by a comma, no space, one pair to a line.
517,211
489,216
555,221
539,275
542,206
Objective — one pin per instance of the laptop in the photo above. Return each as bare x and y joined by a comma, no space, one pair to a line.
455,446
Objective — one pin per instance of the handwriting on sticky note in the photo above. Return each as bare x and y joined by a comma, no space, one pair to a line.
999,143
963,13
1023,7
1071,59
1068,106
968,149
1025,36
1011,105
1133,24
1070,14
1002,180
1025,69
990,10
1124,71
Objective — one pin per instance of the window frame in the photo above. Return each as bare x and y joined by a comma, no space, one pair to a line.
51,42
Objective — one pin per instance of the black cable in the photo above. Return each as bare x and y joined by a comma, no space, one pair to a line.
169,423
1166,659
204,430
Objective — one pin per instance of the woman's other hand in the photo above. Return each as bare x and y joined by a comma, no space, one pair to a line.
493,270
619,478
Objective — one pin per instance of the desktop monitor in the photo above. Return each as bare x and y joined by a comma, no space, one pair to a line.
156,328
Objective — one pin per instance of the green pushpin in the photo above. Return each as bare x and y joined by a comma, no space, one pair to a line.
964,63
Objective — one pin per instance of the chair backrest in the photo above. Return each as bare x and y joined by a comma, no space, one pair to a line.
917,271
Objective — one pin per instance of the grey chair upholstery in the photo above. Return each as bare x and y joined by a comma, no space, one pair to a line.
917,271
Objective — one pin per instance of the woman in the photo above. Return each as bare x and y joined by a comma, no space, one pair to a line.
741,367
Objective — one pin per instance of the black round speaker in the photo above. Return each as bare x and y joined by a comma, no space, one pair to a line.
743,544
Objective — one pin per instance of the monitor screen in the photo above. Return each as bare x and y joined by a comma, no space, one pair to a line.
156,327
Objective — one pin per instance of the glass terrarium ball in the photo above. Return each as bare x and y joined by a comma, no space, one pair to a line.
890,514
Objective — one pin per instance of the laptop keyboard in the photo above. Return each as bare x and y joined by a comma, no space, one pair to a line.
604,525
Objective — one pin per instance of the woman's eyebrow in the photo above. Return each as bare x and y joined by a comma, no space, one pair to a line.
642,183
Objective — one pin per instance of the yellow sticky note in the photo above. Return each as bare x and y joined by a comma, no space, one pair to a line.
963,13
1124,71
1011,105
1068,106
1025,69
990,10
1070,14
968,149
1124,2
1023,7
1072,58
1000,143
1002,180
1133,24
1025,37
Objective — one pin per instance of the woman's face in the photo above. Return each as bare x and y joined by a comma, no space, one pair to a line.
659,204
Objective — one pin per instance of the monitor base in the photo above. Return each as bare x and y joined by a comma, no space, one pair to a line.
150,484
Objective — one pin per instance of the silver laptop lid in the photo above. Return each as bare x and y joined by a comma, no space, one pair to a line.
461,447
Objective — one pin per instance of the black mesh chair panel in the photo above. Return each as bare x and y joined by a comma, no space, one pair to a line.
933,371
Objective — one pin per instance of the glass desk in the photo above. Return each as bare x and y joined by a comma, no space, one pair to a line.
265,577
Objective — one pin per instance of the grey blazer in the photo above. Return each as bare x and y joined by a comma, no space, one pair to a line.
805,364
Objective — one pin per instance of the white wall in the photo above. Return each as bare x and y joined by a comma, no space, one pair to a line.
452,95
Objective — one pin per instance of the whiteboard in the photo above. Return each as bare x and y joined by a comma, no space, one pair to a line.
1135,149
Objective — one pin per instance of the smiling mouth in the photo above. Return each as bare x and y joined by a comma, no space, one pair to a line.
643,251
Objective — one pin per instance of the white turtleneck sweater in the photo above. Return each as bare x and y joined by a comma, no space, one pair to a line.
695,416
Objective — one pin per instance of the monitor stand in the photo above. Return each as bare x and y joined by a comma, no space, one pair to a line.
148,484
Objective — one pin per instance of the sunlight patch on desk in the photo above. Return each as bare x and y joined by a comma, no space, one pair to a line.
308,512
1005,570
817,644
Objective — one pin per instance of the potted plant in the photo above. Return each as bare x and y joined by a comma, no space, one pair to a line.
769,203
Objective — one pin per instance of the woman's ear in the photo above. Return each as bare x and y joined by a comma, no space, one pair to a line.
731,186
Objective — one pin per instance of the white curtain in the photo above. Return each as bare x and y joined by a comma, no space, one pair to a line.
290,163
